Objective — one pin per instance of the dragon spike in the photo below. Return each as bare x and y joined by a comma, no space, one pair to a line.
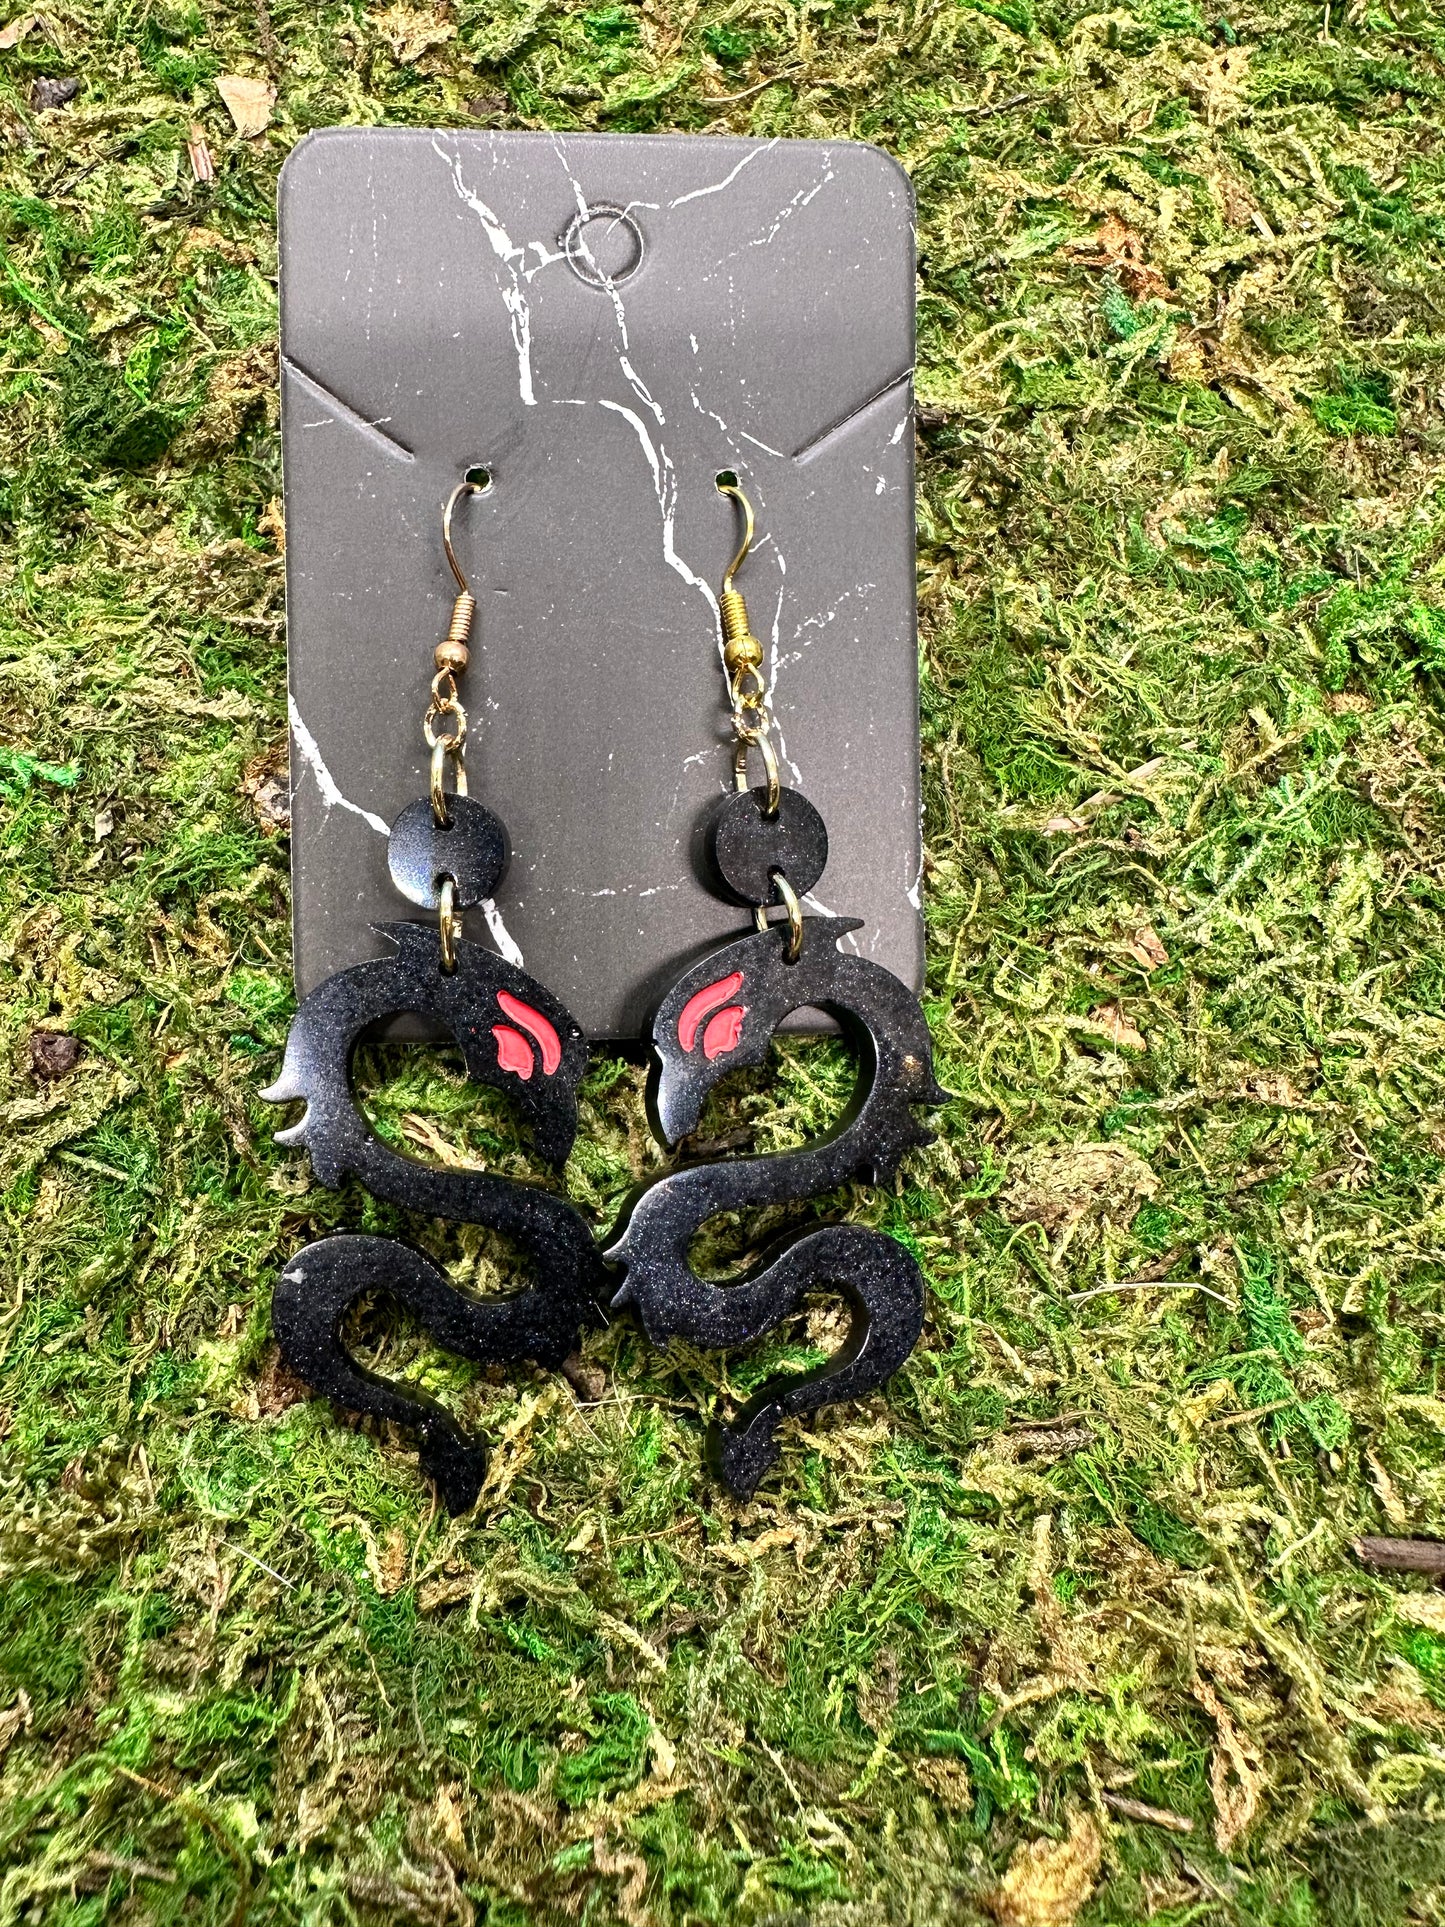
290,1087
624,1296
286,1089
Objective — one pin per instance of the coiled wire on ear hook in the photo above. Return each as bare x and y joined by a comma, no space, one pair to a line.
729,601
465,606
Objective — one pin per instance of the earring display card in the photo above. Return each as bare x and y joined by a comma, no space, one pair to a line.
604,323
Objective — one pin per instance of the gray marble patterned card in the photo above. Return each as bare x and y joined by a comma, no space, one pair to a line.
603,322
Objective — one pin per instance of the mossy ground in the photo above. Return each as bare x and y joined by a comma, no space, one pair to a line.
1182,545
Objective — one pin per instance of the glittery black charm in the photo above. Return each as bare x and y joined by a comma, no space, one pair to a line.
721,1015
472,848
746,845
514,1036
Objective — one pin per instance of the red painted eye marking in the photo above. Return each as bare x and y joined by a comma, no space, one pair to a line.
723,1030
514,1053
701,1002
536,1025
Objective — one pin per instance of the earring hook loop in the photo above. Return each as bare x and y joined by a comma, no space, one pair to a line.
461,489
732,489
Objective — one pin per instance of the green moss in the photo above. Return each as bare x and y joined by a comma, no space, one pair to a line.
614,1758
1361,407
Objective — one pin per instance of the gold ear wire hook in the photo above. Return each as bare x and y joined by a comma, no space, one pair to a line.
731,488
743,664
465,606
462,488
742,652
450,659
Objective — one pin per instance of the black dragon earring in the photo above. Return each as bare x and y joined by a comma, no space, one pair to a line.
446,853
768,847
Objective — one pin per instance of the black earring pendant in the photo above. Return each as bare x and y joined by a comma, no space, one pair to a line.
768,846
446,853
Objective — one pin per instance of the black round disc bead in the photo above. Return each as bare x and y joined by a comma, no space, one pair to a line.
746,845
473,850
